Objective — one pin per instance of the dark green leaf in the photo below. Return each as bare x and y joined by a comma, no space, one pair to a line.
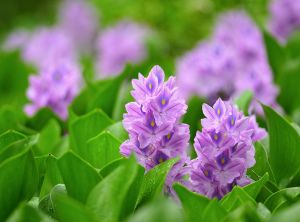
106,170
293,45
61,146
9,137
244,100
11,118
214,212
193,204
79,176
253,189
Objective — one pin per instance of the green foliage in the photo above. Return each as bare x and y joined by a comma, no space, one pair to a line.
244,100
9,137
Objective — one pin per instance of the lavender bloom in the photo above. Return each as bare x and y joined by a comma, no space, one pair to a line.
224,149
284,18
151,121
125,42
55,87
15,40
80,22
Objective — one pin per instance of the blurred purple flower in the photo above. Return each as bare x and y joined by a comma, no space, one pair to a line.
151,121
55,87
119,44
15,40
224,149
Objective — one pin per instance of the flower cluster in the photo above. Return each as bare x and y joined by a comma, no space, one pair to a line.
151,121
209,69
119,44
55,87
224,149
284,19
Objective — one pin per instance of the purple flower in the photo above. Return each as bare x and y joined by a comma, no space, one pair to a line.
151,121
224,149
15,40
55,87
128,40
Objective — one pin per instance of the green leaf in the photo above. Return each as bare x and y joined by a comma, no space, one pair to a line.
152,180
291,214
46,206
105,97
284,141
193,204
118,130
9,137
102,149
263,212
214,212
85,128
49,135
262,165
278,198
26,213
107,198
79,176
253,189
293,44
80,103
52,177
18,147
106,170
61,146
158,211
244,100
19,180
11,118
68,209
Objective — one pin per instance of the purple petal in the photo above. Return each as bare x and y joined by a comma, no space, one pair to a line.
208,111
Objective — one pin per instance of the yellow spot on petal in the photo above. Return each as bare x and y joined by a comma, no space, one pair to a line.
235,146
206,173
150,86
232,122
163,102
218,111
223,160
151,147
233,184
169,136
216,137
152,124
161,160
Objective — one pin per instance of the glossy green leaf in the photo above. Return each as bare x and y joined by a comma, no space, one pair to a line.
158,211
81,101
153,179
26,213
293,44
291,214
262,164
52,177
193,204
279,197
19,180
18,147
284,142
118,130
61,146
102,149
107,169
254,188
9,137
107,198
46,206
244,100
214,212
85,128
34,202
11,118
245,213
79,176
263,212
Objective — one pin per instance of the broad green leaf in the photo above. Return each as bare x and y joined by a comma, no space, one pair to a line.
262,165
80,103
19,180
284,142
105,97
68,209
293,45
85,128
193,204
107,198
254,188
11,118
9,137
46,206
41,165
278,198
106,170
52,177
18,147
297,127
26,213
291,214
61,146
244,100
158,211
49,135
228,203
214,212
236,204
153,179
79,176
117,129
102,149
263,212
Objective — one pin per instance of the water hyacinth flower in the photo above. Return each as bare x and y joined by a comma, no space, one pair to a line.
224,149
284,18
119,44
15,40
152,124
55,87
